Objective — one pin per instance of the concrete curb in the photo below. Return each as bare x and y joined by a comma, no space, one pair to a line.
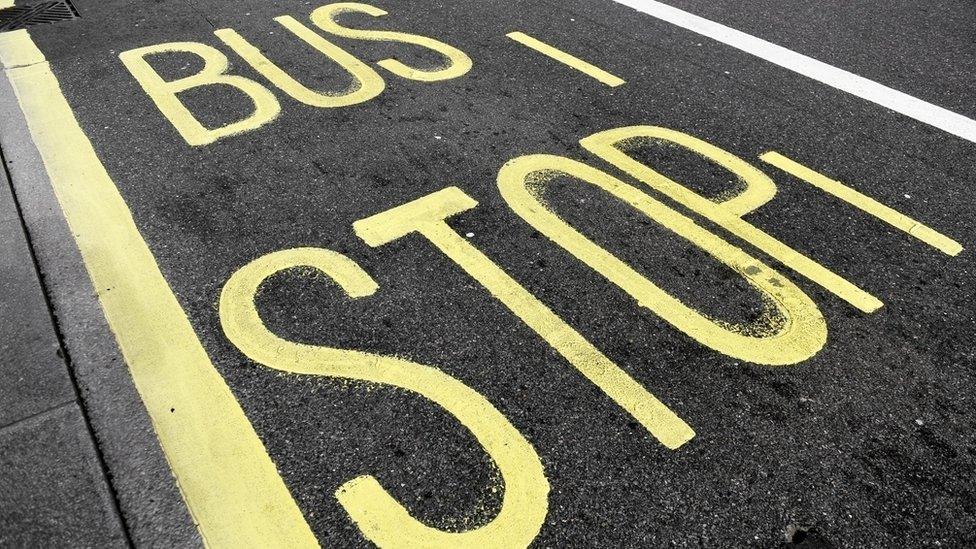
152,508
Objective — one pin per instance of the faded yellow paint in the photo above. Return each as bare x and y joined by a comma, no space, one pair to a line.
610,145
381,518
801,331
367,83
229,482
18,50
457,62
427,215
214,72
865,203
757,187
569,60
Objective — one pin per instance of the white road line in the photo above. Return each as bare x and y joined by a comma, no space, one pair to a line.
851,83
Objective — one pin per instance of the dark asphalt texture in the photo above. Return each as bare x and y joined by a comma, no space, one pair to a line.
869,443
925,49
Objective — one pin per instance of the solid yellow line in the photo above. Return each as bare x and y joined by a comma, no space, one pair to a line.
231,486
865,203
567,59
18,50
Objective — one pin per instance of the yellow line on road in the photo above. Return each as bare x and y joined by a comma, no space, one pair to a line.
864,203
567,59
612,146
427,215
231,486
380,517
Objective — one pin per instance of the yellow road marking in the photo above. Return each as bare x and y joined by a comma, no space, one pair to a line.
611,145
864,203
214,72
792,329
381,518
18,50
367,83
567,59
458,63
229,482
426,216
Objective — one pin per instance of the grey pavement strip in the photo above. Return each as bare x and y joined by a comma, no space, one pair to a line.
53,489
33,378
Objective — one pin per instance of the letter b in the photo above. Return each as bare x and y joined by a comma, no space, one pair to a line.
214,71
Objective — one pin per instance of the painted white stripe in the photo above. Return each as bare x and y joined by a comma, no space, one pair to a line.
851,83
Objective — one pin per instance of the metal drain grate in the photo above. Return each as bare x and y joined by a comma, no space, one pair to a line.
21,17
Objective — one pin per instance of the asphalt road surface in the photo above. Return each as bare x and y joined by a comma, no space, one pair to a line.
362,288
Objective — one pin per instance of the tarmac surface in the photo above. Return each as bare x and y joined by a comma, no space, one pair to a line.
817,420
